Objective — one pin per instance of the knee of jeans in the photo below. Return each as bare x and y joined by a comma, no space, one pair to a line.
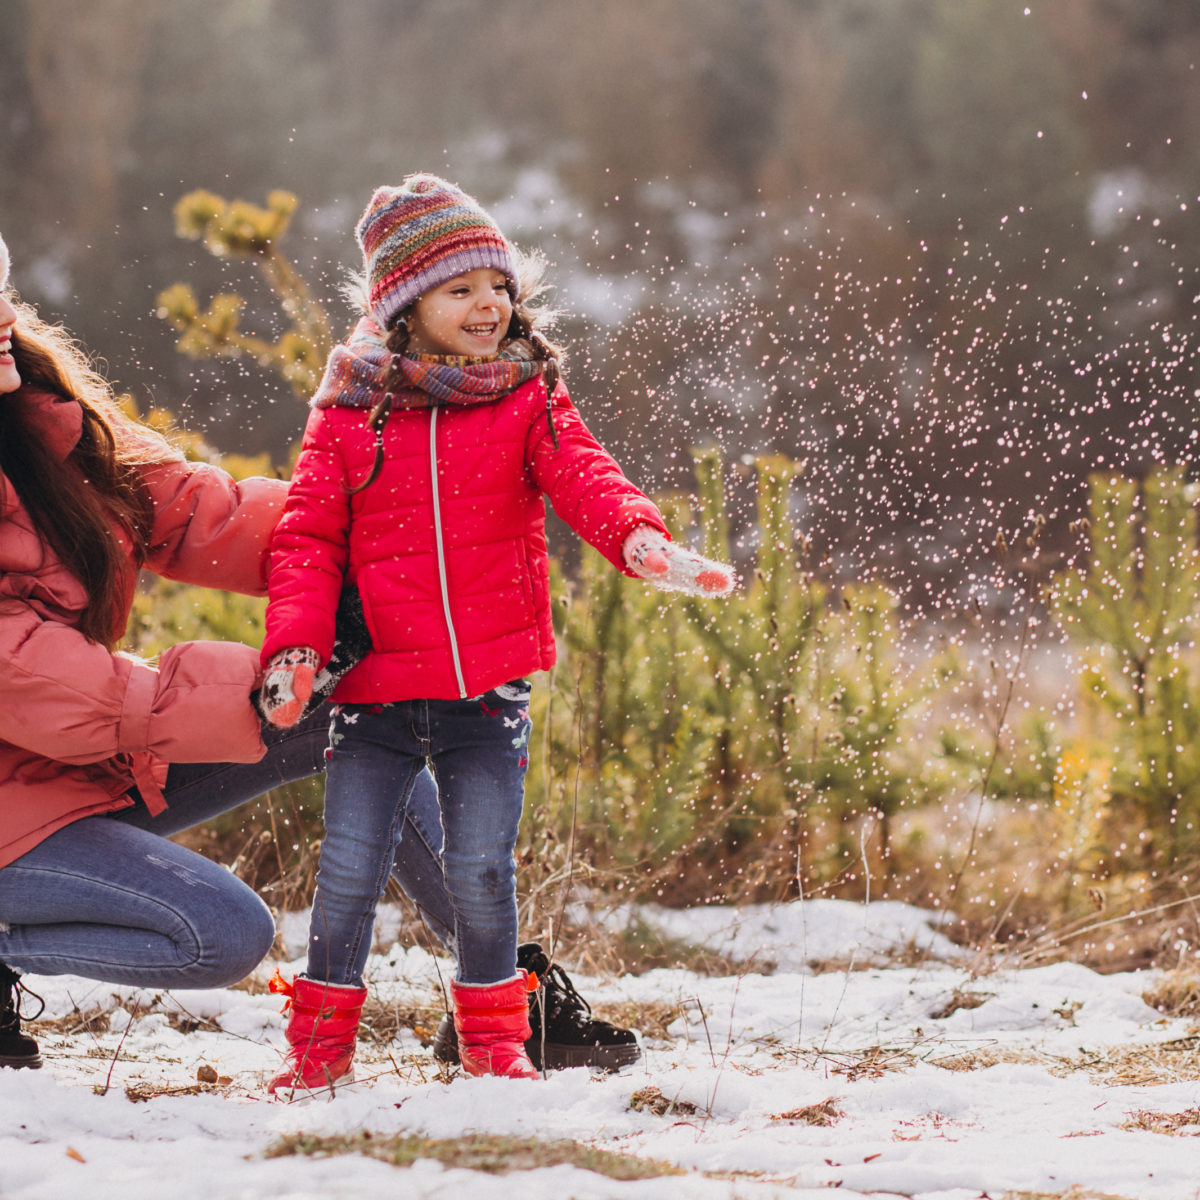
233,945
480,882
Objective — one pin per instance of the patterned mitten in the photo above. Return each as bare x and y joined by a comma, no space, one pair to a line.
351,643
672,567
287,684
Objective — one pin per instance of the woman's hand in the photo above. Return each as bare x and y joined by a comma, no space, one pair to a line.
674,568
287,685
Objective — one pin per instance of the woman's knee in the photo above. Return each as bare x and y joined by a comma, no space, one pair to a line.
255,937
231,939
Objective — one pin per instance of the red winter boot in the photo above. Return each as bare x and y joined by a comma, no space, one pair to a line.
321,1032
492,1022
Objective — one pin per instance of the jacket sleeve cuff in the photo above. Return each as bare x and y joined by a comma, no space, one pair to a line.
133,729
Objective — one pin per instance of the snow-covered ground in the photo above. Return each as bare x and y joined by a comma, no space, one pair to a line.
878,1079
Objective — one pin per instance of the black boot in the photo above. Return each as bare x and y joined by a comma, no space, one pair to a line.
16,1050
564,1033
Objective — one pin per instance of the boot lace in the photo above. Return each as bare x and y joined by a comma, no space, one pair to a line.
10,1013
559,994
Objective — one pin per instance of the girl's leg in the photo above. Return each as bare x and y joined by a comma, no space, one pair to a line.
375,762
480,756
417,867
102,899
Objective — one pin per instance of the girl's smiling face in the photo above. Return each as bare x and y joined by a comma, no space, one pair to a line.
10,380
468,315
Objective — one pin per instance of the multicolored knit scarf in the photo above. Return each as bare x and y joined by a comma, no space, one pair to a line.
359,369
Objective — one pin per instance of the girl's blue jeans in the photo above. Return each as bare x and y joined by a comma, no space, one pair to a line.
110,898
478,751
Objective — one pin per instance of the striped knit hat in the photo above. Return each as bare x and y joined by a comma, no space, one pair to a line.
423,234
3,265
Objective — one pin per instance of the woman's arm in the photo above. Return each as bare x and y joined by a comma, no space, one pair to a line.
211,529
70,699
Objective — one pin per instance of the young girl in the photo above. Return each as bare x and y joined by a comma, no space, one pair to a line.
433,436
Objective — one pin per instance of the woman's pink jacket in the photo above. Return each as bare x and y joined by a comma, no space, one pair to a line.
80,726
448,546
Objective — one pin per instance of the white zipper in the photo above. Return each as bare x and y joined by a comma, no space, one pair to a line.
441,553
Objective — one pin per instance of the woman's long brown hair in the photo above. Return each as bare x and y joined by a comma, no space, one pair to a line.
73,503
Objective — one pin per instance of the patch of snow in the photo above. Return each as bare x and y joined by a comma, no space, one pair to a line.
742,1056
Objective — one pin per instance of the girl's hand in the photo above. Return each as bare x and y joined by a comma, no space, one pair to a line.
351,644
674,568
287,685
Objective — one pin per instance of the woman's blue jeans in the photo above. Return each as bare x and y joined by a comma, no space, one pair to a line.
478,750
110,898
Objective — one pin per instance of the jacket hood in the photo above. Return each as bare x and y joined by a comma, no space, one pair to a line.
58,421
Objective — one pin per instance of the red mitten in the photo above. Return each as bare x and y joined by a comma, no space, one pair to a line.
287,685
672,567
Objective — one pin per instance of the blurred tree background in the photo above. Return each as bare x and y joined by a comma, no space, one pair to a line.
941,251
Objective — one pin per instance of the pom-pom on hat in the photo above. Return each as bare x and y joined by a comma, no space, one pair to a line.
3,265
422,234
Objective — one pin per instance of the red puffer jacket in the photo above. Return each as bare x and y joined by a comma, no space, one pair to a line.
80,726
448,545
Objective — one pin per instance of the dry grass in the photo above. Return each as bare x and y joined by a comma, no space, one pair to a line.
978,1060
1180,1124
87,1020
98,1019
651,1018
650,1099
1075,1193
494,1155
1140,1065
1145,1065
639,948
870,1063
960,998
1176,993
381,1021
1010,914
1018,910
930,1124
208,1083
826,1112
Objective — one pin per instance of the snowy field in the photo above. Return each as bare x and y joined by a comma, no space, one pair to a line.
892,1071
